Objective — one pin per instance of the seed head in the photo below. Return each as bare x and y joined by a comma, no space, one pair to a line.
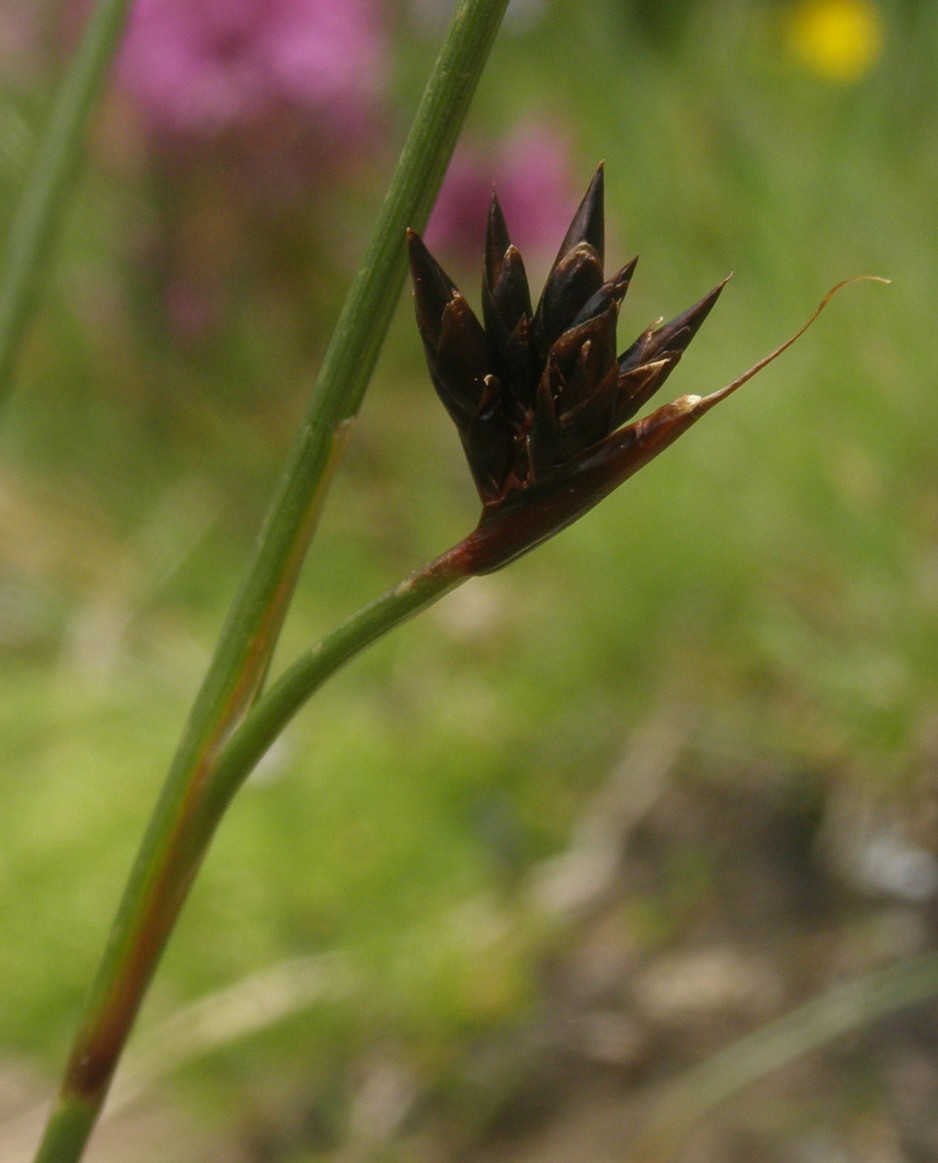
540,396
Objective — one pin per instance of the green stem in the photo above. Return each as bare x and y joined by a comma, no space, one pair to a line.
172,867
181,827
299,682
43,199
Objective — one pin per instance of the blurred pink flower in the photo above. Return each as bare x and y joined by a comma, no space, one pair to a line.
21,41
200,67
532,171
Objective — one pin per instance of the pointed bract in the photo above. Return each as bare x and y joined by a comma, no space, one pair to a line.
497,240
673,337
612,291
570,286
506,298
433,288
589,223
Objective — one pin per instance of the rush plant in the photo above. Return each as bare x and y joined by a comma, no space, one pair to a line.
545,406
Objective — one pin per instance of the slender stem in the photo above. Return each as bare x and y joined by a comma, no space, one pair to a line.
299,682
181,828
43,199
172,868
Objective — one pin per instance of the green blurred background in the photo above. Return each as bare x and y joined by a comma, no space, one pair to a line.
760,606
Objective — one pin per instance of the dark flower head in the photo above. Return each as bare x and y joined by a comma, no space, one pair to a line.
540,395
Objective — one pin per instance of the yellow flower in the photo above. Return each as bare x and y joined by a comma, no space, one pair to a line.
839,40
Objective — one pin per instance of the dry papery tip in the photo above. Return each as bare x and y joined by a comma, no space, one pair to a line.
705,402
